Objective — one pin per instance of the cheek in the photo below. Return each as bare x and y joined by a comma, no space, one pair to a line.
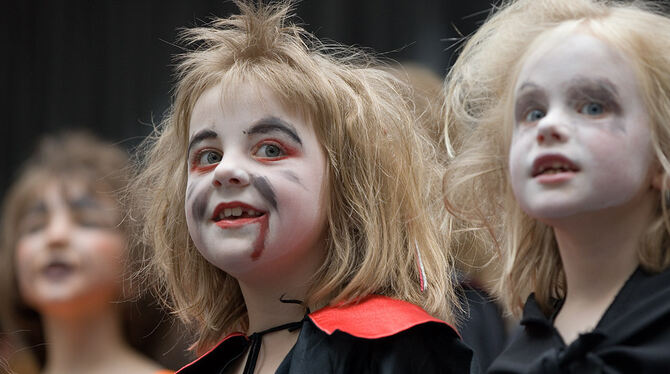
197,196
24,264
106,255
517,165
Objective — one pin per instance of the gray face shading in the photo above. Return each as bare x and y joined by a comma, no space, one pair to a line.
199,205
293,177
264,187
189,191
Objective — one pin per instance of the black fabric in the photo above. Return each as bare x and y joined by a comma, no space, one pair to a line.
426,348
633,336
482,327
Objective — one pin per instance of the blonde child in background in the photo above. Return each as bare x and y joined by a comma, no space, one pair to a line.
567,167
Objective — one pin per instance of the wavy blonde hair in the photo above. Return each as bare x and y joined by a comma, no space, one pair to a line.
380,171
479,100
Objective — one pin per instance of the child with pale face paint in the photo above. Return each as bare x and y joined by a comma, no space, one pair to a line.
64,258
574,129
287,204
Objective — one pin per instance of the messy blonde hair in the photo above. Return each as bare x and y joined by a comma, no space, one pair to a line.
479,98
380,172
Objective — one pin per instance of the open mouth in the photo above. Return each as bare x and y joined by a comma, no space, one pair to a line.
235,214
56,270
553,164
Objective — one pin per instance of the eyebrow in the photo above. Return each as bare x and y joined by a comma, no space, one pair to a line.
84,202
270,124
528,86
200,136
593,86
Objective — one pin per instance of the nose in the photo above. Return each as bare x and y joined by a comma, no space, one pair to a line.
552,129
230,174
58,230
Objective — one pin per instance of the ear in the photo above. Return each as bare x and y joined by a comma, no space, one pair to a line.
658,177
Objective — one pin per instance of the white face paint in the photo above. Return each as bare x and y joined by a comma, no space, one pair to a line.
581,140
255,199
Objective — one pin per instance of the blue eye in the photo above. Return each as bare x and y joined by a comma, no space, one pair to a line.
209,157
592,109
534,115
269,151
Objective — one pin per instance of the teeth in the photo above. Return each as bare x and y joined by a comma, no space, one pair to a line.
554,168
237,212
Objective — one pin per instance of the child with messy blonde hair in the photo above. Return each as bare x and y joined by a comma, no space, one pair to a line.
566,167
286,202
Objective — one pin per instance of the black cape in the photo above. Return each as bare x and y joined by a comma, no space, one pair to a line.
633,336
482,326
376,335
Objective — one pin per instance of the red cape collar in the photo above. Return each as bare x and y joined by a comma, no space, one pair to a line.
372,317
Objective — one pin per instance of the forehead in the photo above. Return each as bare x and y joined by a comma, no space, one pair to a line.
563,56
240,103
54,190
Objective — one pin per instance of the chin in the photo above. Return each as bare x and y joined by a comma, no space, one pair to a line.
548,213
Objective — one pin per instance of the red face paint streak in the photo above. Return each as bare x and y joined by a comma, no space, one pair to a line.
259,244
202,169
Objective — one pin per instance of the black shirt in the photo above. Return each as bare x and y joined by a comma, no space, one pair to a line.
633,336
377,335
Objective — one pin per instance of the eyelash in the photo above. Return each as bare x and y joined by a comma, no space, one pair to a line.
285,152
578,105
196,163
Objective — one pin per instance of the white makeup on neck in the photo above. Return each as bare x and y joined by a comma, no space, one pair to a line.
255,203
581,142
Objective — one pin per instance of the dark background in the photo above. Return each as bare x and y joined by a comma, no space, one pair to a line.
106,65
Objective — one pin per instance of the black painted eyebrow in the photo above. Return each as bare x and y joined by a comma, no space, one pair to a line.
200,136
270,124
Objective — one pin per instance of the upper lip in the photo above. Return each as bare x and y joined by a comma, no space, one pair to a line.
220,209
552,161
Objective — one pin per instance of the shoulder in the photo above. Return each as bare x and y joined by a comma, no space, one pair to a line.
632,336
374,317
379,335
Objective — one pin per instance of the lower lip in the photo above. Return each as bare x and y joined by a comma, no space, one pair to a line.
556,178
236,223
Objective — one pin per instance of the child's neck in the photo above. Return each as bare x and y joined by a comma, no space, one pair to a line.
88,343
266,310
599,253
